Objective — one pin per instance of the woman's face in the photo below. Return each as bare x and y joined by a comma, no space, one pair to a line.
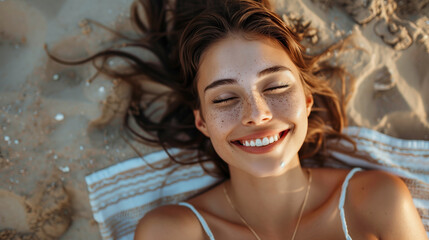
253,106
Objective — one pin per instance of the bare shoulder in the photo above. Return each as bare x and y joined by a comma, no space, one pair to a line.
374,185
169,222
382,202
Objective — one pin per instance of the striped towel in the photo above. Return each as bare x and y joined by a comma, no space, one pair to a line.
121,194
408,159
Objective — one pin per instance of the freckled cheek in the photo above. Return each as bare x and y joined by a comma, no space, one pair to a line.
223,120
289,105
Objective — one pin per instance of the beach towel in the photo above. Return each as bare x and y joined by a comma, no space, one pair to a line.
121,194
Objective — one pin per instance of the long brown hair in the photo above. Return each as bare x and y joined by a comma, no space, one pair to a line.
178,35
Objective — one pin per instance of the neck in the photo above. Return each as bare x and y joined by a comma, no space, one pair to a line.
269,203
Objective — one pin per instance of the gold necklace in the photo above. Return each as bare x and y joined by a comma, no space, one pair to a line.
300,213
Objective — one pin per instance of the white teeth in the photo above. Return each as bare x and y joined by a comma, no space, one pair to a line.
260,142
265,141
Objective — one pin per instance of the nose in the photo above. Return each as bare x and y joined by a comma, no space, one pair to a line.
256,111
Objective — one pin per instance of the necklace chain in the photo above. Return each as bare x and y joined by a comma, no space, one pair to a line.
247,224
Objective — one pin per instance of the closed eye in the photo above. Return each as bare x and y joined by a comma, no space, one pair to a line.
277,87
223,100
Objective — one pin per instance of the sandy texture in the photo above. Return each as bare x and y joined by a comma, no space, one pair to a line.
45,215
48,116
55,126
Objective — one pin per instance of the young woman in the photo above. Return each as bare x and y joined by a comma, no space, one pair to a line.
257,102
242,92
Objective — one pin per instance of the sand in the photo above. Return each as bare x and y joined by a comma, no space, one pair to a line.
55,126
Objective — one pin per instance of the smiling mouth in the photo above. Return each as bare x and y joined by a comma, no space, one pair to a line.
261,142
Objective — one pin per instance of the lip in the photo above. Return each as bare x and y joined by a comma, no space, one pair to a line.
258,135
260,150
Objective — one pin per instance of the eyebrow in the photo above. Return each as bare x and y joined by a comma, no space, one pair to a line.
230,81
274,69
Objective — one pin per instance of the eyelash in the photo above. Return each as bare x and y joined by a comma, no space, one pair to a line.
278,87
232,98
223,100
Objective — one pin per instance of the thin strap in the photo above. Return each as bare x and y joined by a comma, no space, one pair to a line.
342,200
200,218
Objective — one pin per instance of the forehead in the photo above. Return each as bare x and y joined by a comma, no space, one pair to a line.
240,58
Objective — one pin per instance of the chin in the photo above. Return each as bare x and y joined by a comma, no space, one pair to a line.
268,170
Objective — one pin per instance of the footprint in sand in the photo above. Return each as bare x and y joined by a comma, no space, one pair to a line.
393,34
45,215
383,80
362,11
388,27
